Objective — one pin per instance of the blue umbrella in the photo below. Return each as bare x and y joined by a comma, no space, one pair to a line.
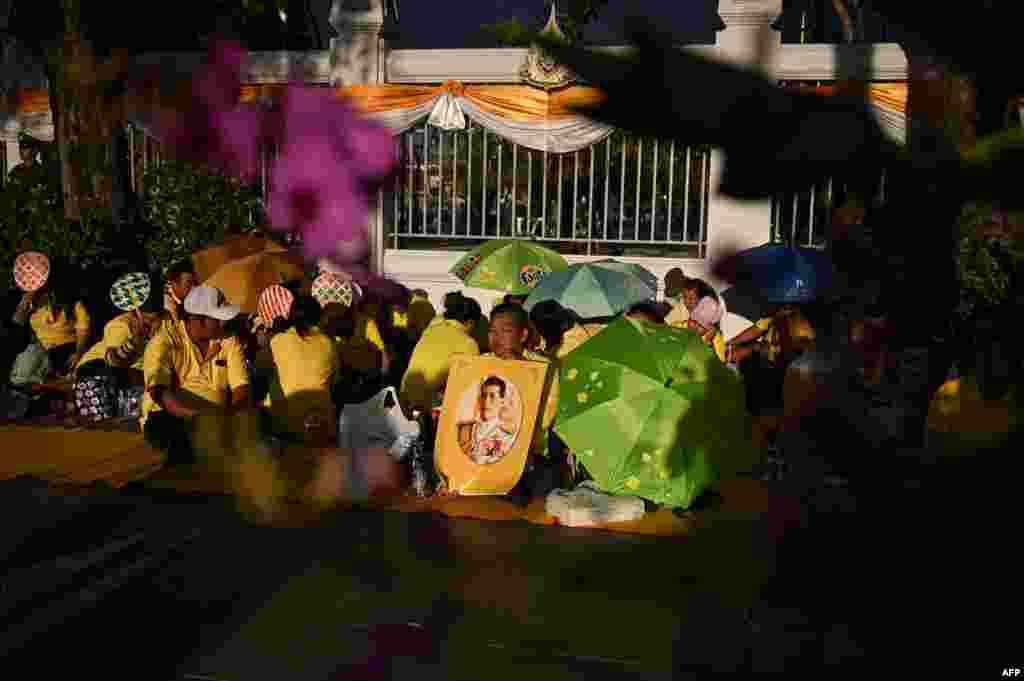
786,274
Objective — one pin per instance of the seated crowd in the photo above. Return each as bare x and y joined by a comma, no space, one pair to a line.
319,344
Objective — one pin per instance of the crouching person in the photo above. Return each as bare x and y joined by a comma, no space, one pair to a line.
108,378
191,367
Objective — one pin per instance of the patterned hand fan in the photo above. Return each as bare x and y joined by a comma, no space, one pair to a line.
31,270
275,301
130,291
330,288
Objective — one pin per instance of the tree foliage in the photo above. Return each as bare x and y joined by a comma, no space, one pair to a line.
188,208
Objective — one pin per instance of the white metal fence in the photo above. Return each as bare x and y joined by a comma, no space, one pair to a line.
802,218
621,196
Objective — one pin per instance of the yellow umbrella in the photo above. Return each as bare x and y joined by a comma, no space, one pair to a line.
244,279
213,257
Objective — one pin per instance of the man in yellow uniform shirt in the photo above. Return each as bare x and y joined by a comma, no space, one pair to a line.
191,367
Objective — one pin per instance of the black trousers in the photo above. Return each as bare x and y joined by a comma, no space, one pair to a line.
170,435
762,382
60,355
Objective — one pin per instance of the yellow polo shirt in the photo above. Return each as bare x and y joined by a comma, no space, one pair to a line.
171,303
306,367
577,336
771,338
172,360
431,361
540,435
679,314
362,351
116,334
421,313
717,342
56,329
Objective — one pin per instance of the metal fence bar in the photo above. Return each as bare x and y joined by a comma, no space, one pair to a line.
439,215
792,230
590,205
515,187
654,190
499,196
529,192
686,195
639,166
426,179
702,239
411,167
575,190
671,178
810,222
622,190
561,177
455,177
607,180
544,199
483,185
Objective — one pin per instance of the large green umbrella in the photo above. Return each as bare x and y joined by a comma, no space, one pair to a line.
511,265
649,410
594,289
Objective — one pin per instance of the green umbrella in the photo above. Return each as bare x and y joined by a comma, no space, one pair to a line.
649,410
511,265
594,289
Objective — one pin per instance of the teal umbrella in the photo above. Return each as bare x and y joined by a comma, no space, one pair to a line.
648,277
595,289
650,411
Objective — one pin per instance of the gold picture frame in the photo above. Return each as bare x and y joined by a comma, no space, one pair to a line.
490,411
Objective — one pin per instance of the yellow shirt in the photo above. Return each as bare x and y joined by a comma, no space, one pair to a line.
540,435
771,338
171,303
421,313
363,351
432,360
172,360
117,334
54,330
306,366
717,341
678,315
480,332
577,336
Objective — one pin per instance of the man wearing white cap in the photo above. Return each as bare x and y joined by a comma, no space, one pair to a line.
191,366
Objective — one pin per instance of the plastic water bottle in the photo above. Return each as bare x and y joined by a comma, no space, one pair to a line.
423,458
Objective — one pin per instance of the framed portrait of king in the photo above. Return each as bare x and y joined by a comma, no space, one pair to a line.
490,411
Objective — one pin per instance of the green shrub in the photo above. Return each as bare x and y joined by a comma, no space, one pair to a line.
189,208
987,271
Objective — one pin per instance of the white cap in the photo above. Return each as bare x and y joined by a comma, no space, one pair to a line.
208,301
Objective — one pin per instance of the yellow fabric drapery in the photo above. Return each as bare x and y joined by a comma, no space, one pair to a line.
522,102
892,96
513,101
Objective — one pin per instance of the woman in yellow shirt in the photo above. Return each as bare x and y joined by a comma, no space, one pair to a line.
427,374
307,362
61,324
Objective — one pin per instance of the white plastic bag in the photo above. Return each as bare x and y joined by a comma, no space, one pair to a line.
31,366
375,423
587,506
